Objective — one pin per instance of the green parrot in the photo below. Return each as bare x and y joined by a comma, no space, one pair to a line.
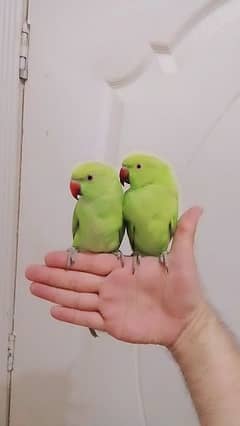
97,224
150,205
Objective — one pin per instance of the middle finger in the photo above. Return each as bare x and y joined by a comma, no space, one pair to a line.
66,279
66,298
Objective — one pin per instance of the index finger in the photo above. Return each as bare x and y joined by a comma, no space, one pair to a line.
100,264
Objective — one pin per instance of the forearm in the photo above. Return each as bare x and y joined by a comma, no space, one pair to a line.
209,358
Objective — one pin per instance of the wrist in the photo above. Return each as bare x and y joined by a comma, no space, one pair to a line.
197,330
209,358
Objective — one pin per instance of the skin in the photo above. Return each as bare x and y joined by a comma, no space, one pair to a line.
152,307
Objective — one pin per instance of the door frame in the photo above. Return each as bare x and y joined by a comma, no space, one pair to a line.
12,15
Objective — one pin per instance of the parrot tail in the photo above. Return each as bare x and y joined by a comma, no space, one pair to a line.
93,332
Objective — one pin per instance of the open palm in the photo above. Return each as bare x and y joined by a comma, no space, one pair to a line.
151,306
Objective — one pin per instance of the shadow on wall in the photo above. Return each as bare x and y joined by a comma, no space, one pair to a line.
45,407
91,389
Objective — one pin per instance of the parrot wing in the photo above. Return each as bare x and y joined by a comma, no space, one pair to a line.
131,234
148,207
129,206
121,232
75,222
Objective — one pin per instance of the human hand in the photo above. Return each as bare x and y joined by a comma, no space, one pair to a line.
151,306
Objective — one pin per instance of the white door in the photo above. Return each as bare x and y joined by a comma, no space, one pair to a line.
106,78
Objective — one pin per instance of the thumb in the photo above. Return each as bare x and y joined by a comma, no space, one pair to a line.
186,230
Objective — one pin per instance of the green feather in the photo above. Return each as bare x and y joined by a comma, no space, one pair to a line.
150,206
97,224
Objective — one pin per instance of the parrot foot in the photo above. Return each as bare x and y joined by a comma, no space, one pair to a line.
163,260
119,257
71,253
135,261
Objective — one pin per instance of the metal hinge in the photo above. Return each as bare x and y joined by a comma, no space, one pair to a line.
24,51
11,350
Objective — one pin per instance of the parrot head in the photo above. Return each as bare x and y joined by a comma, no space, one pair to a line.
91,179
140,170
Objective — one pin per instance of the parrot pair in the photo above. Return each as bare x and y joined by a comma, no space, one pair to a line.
148,209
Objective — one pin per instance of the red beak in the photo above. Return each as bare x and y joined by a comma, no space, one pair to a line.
124,175
75,189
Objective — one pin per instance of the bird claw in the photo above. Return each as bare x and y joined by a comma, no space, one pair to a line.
119,257
71,253
135,257
163,260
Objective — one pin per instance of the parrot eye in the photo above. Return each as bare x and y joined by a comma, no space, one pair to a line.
90,177
139,166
